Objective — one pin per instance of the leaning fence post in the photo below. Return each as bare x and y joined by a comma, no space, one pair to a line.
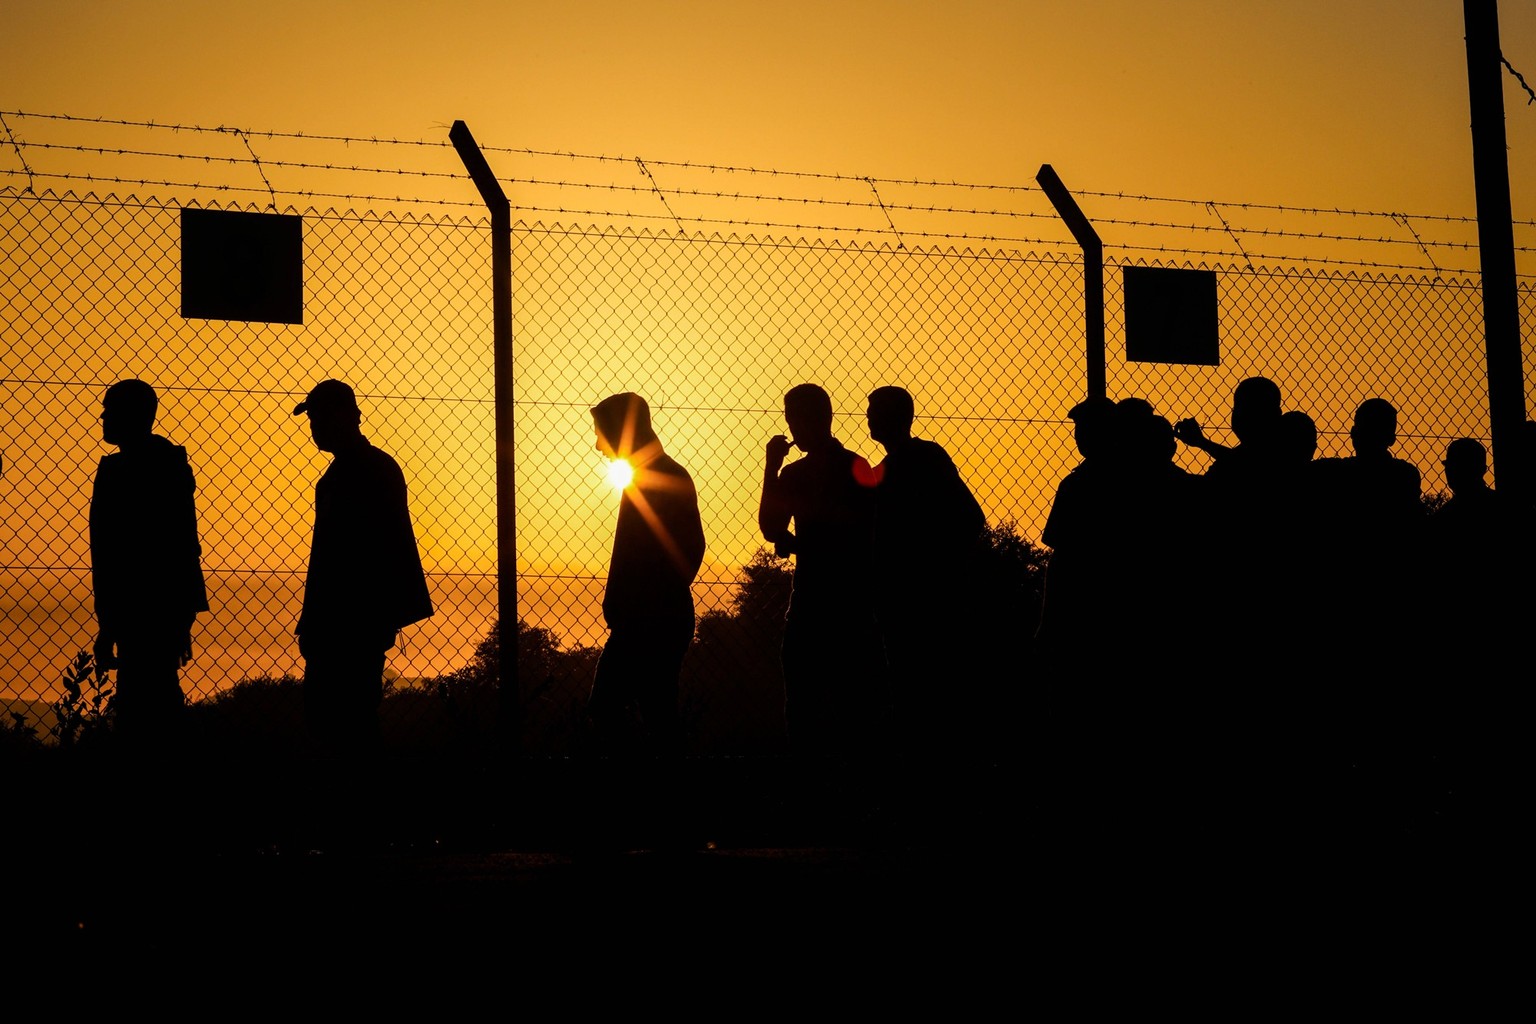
1093,275
509,699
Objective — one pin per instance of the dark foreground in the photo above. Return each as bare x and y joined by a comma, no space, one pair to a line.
959,882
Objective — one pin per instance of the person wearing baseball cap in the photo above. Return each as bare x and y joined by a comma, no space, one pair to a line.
365,581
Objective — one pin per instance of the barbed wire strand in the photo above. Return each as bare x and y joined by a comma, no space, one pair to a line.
1521,78
209,158
16,145
1403,219
256,160
1235,240
660,194
900,244
177,128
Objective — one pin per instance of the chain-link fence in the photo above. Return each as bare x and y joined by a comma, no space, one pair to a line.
712,328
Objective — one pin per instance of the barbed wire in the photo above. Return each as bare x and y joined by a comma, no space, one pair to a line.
1276,207
1056,245
879,205
1403,219
883,209
16,145
660,194
350,197
255,160
1233,234
713,168
1521,78
176,128
208,158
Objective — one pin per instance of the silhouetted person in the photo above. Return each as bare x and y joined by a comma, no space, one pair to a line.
1480,596
1481,556
1244,518
365,579
146,565
658,547
1255,421
1373,523
1298,524
1160,565
929,534
820,510
1375,515
1082,578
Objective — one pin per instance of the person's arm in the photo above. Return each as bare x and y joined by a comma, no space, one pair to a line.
773,511
103,544
1188,431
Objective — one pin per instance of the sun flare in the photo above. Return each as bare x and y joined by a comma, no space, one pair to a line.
620,473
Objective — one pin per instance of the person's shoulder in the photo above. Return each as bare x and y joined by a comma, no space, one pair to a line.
668,466
792,471
169,454
378,459
931,452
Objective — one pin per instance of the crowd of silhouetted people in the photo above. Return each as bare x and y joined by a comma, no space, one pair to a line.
1281,630
1275,617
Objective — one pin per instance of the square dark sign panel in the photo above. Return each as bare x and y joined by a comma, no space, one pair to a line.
1170,316
242,266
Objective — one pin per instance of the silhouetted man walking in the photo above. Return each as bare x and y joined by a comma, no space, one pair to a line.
365,579
658,546
834,687
146,564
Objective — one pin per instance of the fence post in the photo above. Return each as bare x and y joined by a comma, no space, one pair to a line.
510,705
1496,244
1093,274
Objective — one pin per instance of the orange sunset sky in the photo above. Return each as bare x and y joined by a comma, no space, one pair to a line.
1304,102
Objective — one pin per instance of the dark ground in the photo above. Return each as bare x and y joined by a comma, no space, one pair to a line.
962,883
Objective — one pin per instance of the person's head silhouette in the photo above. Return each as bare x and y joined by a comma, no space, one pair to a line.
334,418
622,424
808,411
1375,427
1298,436
1255,408
1466,463
891,412
1093,426
128,412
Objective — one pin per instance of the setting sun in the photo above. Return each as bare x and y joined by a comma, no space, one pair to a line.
620,473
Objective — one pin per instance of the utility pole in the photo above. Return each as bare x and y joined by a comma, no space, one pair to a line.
1496,244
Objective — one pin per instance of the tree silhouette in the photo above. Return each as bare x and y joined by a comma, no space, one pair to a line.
732,686
554,682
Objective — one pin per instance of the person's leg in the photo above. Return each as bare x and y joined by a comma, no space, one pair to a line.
342,692
611,705
658,693
148,703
